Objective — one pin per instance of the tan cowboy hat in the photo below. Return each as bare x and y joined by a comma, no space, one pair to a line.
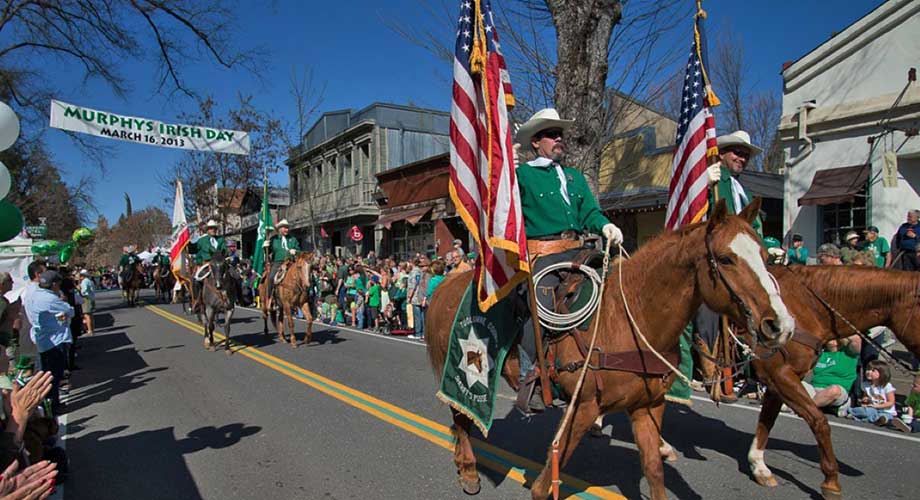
541,120
212,223
738,138
130,248
283,223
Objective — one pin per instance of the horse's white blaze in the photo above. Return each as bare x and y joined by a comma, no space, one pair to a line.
749,250
755,458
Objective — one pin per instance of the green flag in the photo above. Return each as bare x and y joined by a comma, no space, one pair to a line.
265,223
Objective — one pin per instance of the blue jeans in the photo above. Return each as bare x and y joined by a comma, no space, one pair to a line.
418,318
867,414
359,312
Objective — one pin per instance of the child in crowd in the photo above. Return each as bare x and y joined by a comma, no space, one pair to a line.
358,319
878,402
908,421
322,310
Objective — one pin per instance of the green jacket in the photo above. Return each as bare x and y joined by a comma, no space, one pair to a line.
723,189
161,259
545,210
128,259
203,248
276,247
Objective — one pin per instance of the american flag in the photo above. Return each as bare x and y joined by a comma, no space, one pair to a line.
696,140
483,184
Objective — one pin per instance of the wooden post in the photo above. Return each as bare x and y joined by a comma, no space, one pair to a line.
538,341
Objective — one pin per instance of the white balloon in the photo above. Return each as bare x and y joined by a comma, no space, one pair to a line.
9,126
5,181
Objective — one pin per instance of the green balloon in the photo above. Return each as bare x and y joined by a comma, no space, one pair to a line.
771,242
46,247
10,221
67,252
82,235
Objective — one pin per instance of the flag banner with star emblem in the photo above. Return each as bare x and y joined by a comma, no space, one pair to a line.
265,222
479,342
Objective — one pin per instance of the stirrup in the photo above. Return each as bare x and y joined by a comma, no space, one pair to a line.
530,400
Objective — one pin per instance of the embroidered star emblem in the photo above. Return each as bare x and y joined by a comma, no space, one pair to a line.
475,363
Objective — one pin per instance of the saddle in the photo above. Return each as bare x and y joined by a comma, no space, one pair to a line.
128,274
282,272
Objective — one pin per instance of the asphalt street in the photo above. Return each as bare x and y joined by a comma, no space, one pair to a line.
154,415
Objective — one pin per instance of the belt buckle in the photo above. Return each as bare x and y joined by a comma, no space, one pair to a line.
568,235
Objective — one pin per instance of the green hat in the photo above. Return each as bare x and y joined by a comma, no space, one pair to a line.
771,242
24,363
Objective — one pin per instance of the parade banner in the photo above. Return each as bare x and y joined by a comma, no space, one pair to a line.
479,342
147,131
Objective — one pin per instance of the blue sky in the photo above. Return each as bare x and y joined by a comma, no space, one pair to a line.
362,60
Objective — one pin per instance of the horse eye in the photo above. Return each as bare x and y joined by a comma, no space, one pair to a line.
726,260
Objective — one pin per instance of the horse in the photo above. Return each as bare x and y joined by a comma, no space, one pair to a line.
219,294
718,262
867,297
133,283
163,282
293,292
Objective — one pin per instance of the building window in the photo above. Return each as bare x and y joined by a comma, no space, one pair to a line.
409,239
839,218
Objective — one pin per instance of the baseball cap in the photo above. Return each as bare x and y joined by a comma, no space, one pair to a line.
48,278
871,229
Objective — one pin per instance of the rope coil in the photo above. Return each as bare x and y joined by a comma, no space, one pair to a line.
562,322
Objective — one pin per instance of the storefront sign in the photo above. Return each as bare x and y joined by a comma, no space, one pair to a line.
147,131
355,234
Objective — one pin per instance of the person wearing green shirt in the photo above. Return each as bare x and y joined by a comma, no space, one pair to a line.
373,303
879,247
835,373
798,254
557,204
208,244
126,264
909,421
279,248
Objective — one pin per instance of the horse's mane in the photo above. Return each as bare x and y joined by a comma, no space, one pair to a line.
859,284
656,252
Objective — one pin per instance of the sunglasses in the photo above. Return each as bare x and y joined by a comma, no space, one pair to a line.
551,134
741,153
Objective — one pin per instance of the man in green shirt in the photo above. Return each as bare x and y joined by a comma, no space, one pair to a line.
735,151
279,248
835,373
879,247
126,265
798,254
559,209
208,244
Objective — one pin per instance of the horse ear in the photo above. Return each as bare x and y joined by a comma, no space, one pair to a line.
719,214
751,211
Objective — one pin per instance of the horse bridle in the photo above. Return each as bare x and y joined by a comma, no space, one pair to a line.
716,271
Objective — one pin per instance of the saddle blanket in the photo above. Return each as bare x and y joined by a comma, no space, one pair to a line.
479,343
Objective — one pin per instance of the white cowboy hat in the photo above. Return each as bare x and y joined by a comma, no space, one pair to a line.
282,223
212,223
130,248
541,120
738,138
84,272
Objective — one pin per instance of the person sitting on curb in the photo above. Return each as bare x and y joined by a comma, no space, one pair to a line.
834,374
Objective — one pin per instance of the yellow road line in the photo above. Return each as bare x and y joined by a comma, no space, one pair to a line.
514,467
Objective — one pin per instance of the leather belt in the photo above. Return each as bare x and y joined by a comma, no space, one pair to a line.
546,247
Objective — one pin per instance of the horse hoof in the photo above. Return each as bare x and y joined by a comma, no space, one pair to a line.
669,456
767,481
469,486
830,494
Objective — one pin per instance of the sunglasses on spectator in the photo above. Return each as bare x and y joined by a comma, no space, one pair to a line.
741,153
551,134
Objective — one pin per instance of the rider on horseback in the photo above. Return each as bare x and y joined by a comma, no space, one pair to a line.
203,248
126,265
558,209
279,248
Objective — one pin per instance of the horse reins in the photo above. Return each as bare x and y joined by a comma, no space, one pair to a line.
716,271
903,365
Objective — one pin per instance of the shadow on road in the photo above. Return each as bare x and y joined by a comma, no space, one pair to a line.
145,465
116,368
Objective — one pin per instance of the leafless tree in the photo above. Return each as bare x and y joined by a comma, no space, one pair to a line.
561,52
214,179
308,97
144,228
91,40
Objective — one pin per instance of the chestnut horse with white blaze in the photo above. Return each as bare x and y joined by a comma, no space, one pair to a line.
866,297
293,292
719,263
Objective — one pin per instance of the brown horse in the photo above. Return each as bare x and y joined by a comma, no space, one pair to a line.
133,285
163,282
293,292
866,297
718,263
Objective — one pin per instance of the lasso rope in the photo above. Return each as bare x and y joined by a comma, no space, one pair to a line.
562,322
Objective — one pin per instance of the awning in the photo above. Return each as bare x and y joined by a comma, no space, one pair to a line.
412,216
836,185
